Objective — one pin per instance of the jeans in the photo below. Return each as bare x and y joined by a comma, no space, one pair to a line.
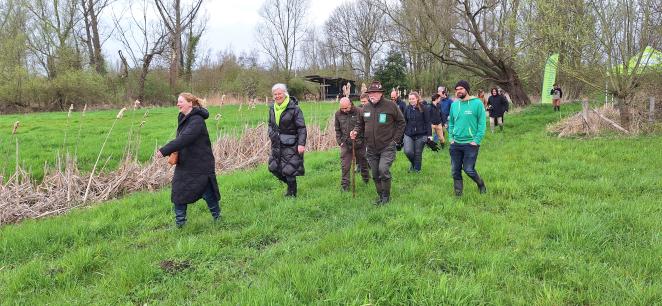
413,147
212,204
463,156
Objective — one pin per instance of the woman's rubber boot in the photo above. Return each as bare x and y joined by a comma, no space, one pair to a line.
457,187
180,215
291,187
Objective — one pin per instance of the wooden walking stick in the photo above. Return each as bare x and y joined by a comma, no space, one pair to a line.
353,168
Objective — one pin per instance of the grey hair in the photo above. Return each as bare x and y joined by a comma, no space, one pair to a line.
280,86
441,88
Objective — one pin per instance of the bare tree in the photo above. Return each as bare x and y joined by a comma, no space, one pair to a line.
281,31
458,24
360,27
91,10
52,39
623,31
143,39
178,18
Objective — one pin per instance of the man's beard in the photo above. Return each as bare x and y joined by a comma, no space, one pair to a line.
462,96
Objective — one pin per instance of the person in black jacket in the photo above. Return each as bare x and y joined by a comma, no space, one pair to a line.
498,106
418,129
287,132
436,119
557,94
195,175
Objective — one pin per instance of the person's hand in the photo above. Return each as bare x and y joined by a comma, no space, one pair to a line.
158,154
301,149
473,143
342,144
452,141
430,138
352,135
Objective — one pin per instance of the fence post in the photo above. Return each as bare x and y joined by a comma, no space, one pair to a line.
651,109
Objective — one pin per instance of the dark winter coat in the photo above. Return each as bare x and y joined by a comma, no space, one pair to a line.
417,122
345,123
435,113
445,109
195,168
381,124
285,159
497,105
401,105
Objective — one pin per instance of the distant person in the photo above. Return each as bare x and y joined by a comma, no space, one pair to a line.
481,96
445,106
557,95
345,121
498,106
435,120
383,125
418,129
287,132
395,98
195,174
466,128
364,99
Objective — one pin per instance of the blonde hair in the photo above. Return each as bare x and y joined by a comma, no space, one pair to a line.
193,99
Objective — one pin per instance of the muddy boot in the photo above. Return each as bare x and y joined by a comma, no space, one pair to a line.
386,192
457,187
378,186
481,184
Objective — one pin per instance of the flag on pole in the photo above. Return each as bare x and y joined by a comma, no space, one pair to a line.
549,78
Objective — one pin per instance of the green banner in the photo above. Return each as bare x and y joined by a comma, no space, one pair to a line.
550,78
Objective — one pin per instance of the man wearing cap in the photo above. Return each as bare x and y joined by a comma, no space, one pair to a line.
345,121
382,125
466,128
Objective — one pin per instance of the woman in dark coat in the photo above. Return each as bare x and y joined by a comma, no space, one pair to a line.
195,175
498,106
287,132
418,130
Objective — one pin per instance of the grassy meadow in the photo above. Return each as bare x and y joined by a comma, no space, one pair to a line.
42,136
565,221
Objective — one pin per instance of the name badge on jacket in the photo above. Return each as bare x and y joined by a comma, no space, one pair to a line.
367,114
382,118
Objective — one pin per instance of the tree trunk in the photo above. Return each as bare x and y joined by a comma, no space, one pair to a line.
513,86
96,42
624,112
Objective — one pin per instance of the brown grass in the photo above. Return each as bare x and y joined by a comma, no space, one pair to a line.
575,126
64,187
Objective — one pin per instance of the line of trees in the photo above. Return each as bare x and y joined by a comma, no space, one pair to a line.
54,53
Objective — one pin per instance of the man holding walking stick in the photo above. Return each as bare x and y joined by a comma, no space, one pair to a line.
345,121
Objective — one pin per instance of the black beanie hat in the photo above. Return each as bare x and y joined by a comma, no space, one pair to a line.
464,84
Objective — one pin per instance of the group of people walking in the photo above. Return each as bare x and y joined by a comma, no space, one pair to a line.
370,134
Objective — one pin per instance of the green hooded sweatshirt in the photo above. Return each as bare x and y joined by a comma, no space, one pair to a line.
466,122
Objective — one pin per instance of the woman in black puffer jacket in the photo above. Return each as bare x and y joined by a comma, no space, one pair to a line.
418,130
195,175
287,132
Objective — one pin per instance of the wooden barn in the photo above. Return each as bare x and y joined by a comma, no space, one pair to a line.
330,88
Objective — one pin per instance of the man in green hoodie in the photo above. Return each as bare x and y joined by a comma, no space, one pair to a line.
466,128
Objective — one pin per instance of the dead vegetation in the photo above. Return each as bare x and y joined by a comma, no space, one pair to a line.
593,122
64,187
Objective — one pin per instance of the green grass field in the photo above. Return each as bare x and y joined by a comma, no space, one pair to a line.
41,136
565,221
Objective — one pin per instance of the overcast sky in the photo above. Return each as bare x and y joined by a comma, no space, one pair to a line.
232,23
